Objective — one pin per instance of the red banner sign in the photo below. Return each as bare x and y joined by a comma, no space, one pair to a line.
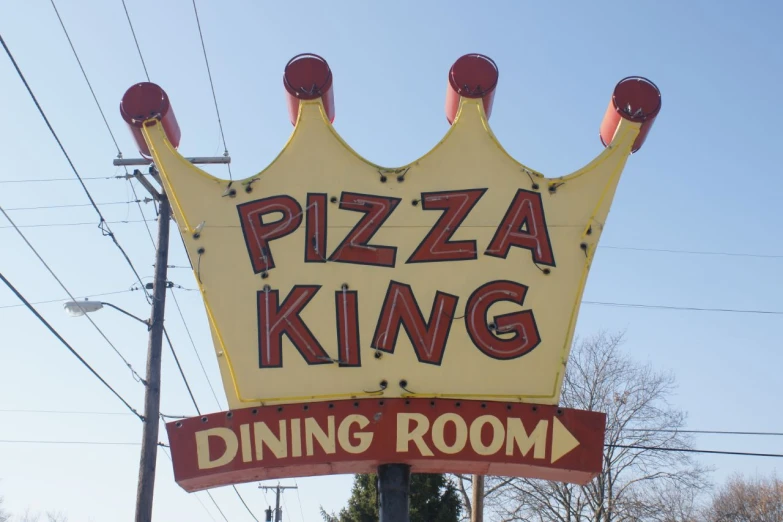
355,436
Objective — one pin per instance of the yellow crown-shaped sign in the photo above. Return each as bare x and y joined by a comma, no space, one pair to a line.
458,275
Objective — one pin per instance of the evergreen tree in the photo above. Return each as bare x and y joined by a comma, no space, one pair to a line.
433,498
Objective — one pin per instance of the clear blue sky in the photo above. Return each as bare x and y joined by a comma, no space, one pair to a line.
708,179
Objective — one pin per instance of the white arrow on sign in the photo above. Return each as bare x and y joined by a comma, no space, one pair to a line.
562,440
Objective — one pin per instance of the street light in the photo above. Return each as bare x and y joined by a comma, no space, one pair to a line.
80,308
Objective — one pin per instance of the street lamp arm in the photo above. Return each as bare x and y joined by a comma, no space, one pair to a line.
146,322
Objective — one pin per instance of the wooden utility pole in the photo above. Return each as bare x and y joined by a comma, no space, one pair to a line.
278,510
149,441
477,503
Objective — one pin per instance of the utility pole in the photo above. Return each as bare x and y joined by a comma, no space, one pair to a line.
477,503
278,509
394,483
149,441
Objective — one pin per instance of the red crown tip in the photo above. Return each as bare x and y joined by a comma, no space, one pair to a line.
142,102
308,77
471,76
635,99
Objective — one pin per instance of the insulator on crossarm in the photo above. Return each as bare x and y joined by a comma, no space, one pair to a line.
308,77
471,76
145,101
635,99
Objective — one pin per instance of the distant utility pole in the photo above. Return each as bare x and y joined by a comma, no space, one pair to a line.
278,509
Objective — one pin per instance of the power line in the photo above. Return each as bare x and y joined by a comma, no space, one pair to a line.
703,432
80,442
637,249
94,97
105,229
620,446
193,343
143,217
51,272
244,503
65,412
49,180
135,40
76,205
301,510
694,252
685,308
688,450
196,496
61,300
54,225
70,348
209,493
712,432
212,86
181,372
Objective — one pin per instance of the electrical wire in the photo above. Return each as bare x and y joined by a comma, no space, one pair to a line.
105,229
712,432
694,252
285,506
637,249
181,372
701,432
685,308
70,348
65,412
193,344
196,496
688,450
143,217
209,494
127,15
61,300
51,272
244,503
301,510
80,442
94,97
212,86
619,446
49,180
54,225
49,207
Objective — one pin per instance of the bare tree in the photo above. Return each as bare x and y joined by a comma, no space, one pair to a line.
29,516
5,516
56,516
748,500
638,479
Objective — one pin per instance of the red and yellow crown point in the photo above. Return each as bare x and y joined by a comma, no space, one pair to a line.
635,99
148,101
471,76
308,77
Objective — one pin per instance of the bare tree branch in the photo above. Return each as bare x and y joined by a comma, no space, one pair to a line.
635,484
